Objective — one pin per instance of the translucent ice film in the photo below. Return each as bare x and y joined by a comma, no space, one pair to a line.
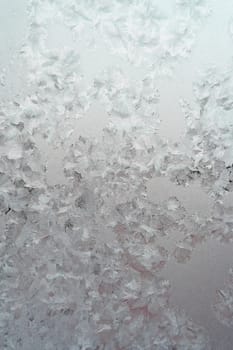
116,175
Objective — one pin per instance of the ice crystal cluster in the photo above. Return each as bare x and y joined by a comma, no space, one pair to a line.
82,261
223,306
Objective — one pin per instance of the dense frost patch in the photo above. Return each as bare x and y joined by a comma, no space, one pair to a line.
82,258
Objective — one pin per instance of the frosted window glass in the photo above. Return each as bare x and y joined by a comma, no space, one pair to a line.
116,172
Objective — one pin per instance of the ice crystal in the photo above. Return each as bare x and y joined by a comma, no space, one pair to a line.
82,260
223,306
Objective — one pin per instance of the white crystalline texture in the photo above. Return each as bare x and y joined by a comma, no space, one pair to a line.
223,306
81,267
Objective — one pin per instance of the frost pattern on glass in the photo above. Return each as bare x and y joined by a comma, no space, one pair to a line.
223,306
82,261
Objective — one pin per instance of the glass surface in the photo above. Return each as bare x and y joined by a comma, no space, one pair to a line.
116,172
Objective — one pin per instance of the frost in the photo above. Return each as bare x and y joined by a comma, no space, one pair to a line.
83,247
160,190
223,306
